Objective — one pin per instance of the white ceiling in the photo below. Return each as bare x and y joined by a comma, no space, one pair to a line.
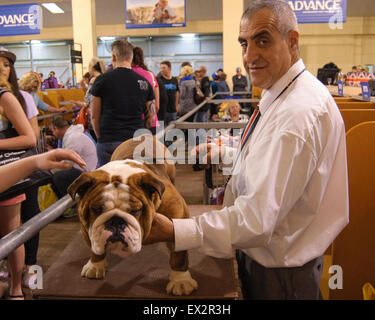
113,11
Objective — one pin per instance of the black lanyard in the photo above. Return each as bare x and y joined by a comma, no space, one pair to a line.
289,84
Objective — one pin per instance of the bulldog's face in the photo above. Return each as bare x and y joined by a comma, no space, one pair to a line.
117,204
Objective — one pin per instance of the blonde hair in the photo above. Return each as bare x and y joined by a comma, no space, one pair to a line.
232,104
97,64
186,71
27,80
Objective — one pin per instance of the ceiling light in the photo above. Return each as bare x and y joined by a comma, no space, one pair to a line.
35,42
52,7
107,38
188,35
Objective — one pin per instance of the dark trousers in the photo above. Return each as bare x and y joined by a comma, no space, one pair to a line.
61,180
294,283
29,209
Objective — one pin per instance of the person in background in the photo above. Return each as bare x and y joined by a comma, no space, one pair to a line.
351,77
30,207
139,66
120,98
239,81
214,107
171,86
73,138
202,114
30,82
85,81
218,73
287,198
96,68
186,63
187,85
51,82
222,86
17,170
163,99
12,112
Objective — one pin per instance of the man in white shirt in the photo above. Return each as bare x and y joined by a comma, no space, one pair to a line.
73,138
287,199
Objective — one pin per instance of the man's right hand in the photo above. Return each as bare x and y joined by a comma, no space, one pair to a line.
206,153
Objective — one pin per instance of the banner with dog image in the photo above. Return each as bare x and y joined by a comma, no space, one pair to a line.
155,13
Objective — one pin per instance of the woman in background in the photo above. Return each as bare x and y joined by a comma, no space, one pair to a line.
96,68
187,85
138,66
12,112
30,82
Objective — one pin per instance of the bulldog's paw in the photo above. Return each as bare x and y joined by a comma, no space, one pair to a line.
181,283
94,270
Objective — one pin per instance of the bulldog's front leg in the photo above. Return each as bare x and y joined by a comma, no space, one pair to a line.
95,268
180,280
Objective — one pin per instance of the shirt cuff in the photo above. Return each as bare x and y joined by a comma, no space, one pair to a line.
187,234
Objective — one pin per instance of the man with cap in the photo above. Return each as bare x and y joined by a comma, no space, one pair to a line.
239,81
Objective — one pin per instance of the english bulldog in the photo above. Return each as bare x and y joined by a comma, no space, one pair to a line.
116,206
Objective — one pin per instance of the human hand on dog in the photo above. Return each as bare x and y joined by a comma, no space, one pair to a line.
161,230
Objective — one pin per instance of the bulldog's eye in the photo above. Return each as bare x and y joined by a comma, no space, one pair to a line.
136,212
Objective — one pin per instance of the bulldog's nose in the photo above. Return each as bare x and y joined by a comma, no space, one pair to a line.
115,223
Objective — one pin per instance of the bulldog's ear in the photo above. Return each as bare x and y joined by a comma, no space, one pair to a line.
85,181
151,184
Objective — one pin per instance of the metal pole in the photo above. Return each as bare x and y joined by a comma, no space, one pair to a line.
27,230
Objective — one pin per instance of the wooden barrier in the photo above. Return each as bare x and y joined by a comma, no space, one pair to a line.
54,97
353,249
352,117
356,105
344,99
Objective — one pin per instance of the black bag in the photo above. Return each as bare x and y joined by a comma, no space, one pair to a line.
37,178
198,94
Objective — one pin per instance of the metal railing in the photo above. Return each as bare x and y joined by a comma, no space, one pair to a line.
27,230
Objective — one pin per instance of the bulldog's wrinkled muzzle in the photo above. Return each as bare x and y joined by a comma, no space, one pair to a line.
116,225
117,232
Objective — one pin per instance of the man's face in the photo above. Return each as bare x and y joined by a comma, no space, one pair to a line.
266,55
202,72
34,86
164,70
58,133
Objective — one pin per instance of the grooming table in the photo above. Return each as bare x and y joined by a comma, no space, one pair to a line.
140,276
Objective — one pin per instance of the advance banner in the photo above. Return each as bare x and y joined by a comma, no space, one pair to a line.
319,11
20,19
155,13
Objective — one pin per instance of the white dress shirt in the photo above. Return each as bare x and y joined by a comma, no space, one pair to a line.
289,199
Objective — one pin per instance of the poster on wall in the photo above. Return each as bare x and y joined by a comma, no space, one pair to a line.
155,13
20,19
319,11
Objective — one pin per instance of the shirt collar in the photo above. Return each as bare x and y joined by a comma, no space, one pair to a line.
269,95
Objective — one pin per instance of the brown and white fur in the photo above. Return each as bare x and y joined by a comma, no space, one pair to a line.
117,203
